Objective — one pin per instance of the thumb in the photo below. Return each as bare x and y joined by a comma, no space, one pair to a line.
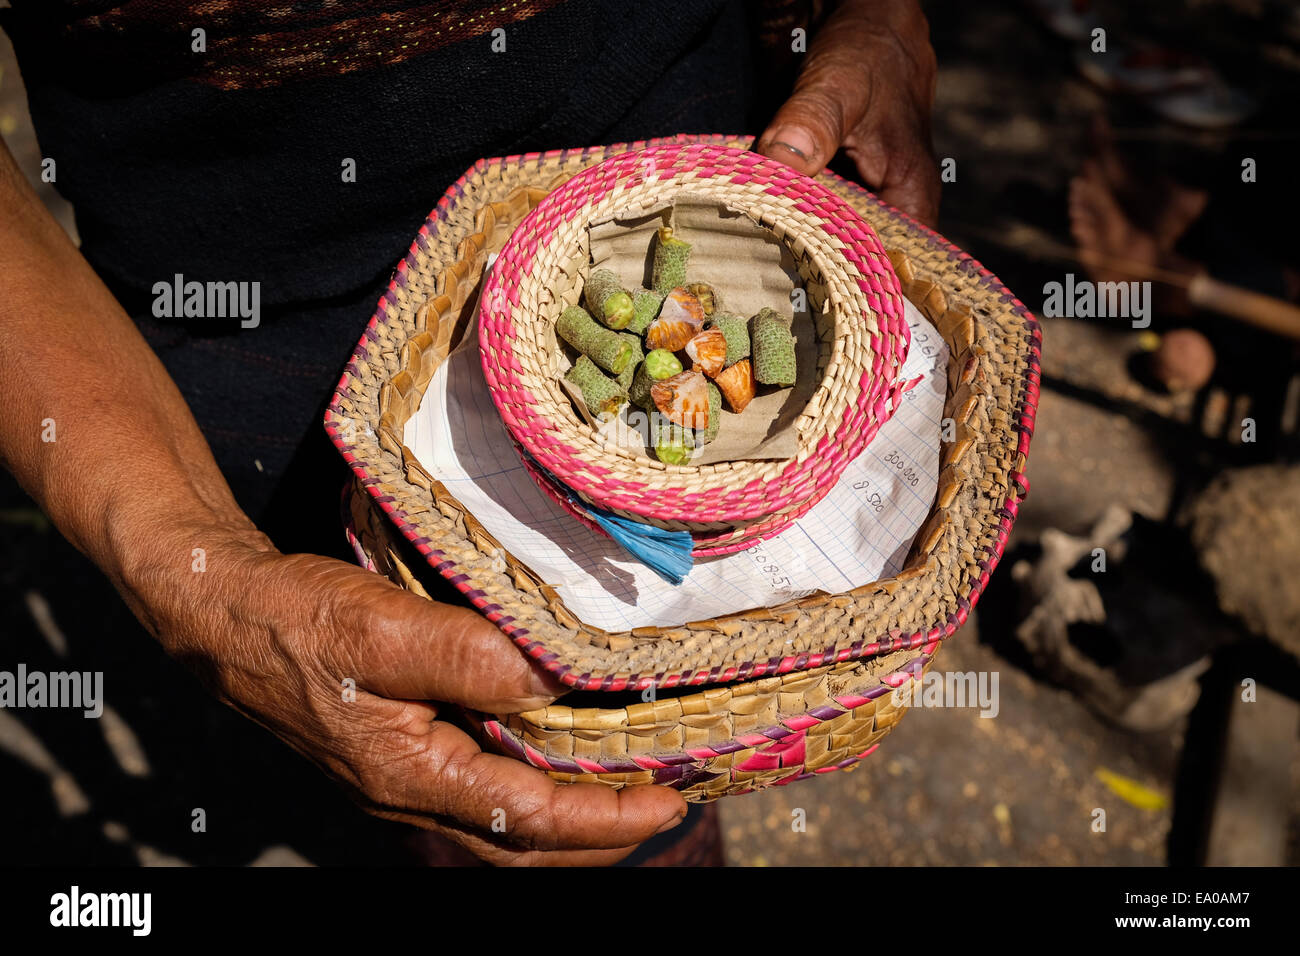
432,651
811,125
403,646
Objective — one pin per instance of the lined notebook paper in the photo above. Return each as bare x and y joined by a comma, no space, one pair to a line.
857,534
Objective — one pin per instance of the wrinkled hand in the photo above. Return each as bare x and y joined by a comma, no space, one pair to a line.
867,86
276,635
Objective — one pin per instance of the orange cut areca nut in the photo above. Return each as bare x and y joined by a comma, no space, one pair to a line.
683,399
737,385
708,350
669,334
679,319
684,304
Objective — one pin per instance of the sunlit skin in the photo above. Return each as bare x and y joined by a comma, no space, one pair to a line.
867,87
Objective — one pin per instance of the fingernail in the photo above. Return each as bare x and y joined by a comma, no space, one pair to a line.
794,139
674,822
544,684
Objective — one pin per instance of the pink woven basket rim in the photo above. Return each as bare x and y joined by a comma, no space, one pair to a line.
799,480
706,545
716,545
1023,419
686,767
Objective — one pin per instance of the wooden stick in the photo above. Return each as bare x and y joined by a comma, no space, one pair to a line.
1262,311
1254,308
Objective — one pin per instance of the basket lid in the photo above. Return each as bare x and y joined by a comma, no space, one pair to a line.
860,388
993,379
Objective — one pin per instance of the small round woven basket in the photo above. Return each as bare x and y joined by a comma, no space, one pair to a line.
856,305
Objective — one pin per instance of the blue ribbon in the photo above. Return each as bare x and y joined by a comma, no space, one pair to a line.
668,553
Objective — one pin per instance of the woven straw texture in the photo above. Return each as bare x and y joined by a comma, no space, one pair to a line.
993,381
862,340
725,740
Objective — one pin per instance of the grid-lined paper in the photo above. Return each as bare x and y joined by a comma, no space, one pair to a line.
857,534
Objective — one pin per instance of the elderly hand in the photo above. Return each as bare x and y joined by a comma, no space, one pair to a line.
867,86
276,636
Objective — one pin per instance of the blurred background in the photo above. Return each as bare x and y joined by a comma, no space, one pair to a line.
1163,691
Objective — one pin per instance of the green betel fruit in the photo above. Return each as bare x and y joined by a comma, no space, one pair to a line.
618,310
736,331
773,348
646,304
607,299
602,395
638,393
705,435
661,364
671,256
673,443
624,378
606,348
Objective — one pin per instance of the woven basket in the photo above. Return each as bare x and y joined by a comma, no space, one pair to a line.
726,740
861,333
756,698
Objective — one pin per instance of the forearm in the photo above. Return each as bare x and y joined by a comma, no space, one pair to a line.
128,465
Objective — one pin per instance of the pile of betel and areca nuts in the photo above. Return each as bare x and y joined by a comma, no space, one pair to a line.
634,347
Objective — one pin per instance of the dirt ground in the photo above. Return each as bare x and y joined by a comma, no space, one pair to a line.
947,786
